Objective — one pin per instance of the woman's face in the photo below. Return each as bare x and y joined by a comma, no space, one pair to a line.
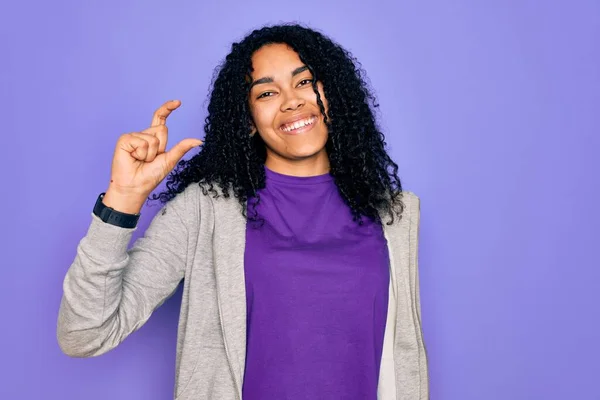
285,112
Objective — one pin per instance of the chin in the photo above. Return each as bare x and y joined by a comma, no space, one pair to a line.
303,154
300,150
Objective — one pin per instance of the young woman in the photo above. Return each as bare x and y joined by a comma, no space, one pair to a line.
290,230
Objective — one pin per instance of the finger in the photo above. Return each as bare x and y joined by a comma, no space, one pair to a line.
135,146
161,133
160,115
178,151
152,144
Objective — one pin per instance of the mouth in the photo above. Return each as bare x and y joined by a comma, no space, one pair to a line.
299,126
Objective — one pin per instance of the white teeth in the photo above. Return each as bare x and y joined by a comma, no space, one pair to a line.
298,124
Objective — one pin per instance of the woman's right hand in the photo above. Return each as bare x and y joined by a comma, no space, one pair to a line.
141,162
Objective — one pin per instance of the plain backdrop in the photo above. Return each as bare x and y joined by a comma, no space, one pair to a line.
490,108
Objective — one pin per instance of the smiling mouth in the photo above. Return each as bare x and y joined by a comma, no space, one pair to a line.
300,125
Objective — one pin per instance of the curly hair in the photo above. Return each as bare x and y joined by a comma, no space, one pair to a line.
233,160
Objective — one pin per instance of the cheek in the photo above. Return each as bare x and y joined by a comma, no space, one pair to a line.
263,116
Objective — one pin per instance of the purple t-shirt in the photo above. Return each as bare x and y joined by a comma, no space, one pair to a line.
317,295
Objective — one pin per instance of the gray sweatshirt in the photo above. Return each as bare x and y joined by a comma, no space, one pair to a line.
110,292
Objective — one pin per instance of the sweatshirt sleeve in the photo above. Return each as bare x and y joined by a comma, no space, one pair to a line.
414,233
109,291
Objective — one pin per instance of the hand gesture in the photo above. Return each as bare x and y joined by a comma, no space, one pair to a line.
141,162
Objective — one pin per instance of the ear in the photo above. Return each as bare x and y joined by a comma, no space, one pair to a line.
253,130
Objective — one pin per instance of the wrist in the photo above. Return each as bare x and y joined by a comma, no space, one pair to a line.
125,203
111,216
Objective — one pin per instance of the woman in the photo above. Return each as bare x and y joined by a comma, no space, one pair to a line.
291,229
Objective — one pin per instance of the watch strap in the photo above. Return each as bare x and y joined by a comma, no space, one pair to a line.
112,216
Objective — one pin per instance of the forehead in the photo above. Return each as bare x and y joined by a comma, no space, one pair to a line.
273,60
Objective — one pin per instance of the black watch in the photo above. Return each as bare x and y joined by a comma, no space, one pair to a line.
114,217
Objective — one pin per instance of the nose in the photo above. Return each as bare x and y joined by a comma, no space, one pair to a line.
291,101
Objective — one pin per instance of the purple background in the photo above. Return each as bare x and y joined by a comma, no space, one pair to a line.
492,110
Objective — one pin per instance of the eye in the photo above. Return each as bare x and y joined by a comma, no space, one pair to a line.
265,94
305,82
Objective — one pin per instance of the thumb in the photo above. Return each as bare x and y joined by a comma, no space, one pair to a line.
173,156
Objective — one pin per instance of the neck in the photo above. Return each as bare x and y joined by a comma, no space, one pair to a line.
312,166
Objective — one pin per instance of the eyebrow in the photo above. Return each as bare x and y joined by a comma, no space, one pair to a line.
269,79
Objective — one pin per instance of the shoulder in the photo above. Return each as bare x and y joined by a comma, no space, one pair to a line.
202,198
194,193
188,203
412,202
412,210
408,207
411,197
